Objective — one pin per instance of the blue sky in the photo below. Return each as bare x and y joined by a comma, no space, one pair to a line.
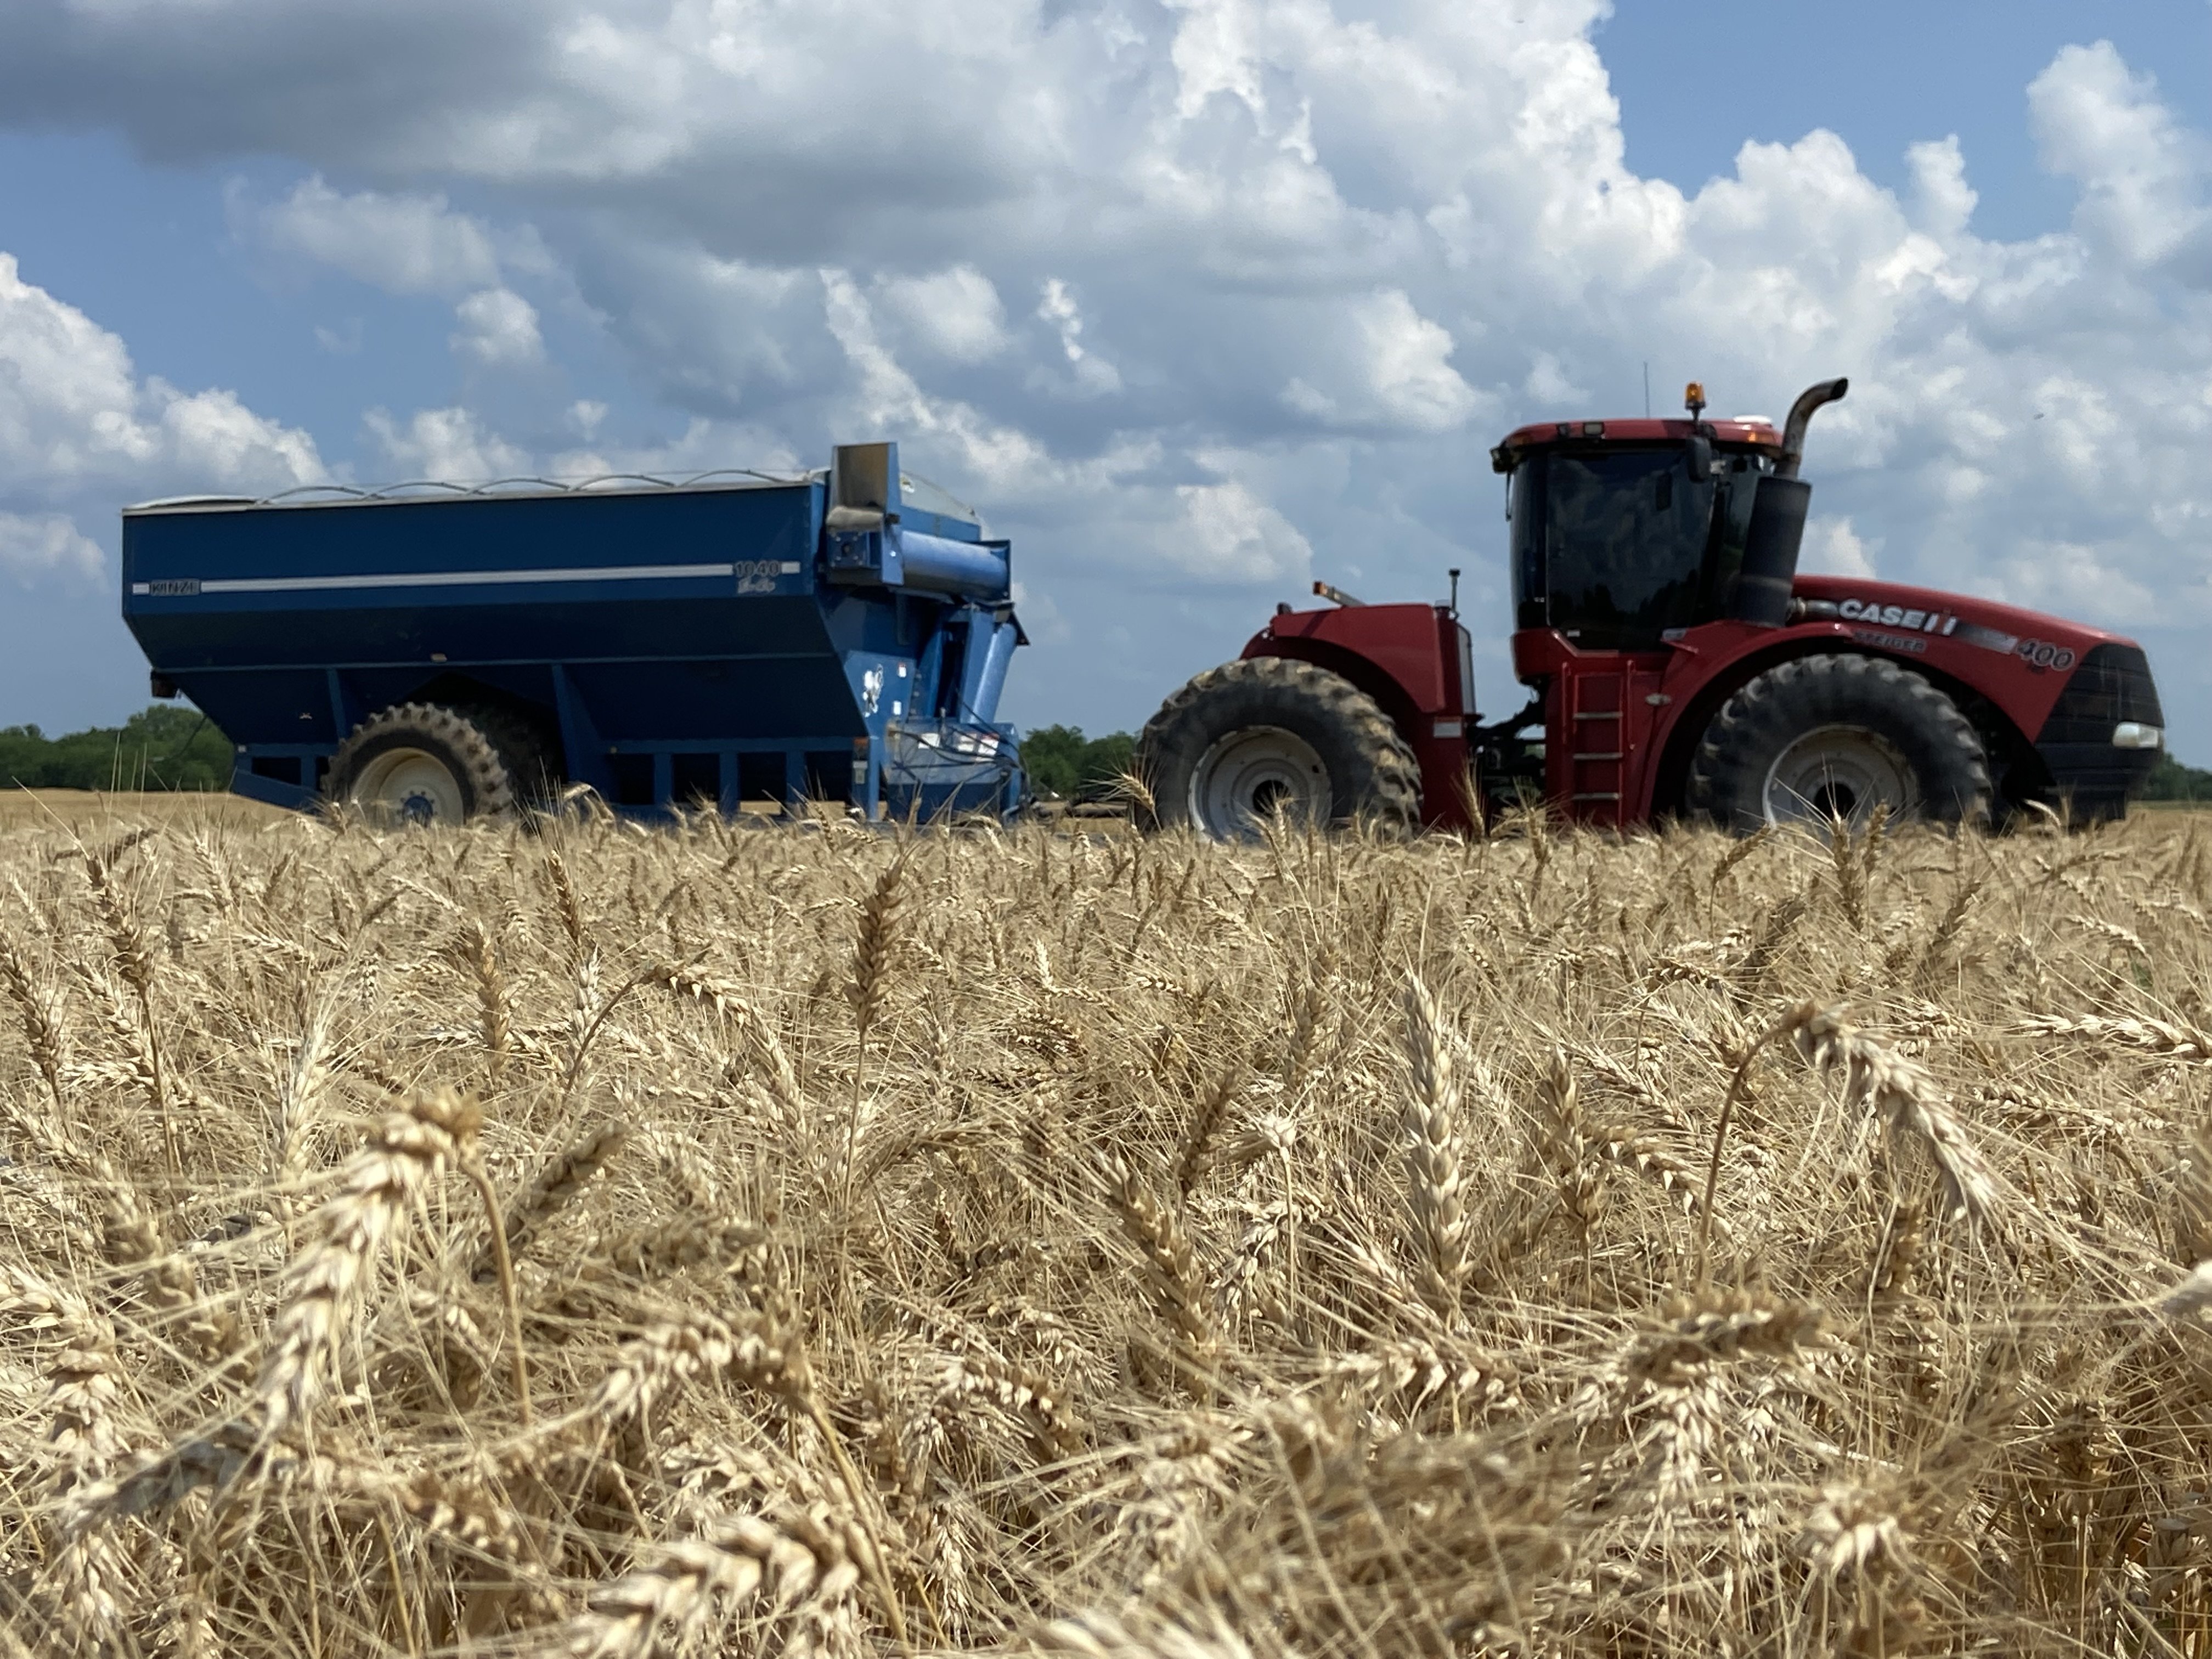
1884,75
1199,300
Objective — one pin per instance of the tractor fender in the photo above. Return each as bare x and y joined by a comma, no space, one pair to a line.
1362,670
1410,659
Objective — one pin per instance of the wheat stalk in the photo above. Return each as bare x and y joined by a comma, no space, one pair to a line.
1434,1156
566,907
800,1565
872,944
763,1047
324,1283
2168,1039
1022,1393
42,1031
1901,1092
1196,1156
474,948
559,1182
684,1344
133,957
1177,1288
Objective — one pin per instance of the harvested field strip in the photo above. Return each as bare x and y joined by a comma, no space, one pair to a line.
611,1241
89,812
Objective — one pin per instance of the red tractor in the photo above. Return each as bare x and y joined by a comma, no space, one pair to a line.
1680,665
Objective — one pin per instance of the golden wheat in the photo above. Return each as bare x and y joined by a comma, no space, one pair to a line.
1009,1241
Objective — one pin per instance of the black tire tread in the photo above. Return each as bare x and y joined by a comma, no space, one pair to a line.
1762,708
490,778
527,751
1394,802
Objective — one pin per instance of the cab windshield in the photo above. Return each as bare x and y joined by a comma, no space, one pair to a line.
1609,546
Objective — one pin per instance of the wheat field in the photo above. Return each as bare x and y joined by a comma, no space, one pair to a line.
580,1239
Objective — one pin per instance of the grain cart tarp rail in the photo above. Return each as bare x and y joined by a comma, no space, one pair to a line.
432,651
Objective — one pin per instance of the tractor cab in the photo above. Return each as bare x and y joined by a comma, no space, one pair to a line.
1629,540
1625,534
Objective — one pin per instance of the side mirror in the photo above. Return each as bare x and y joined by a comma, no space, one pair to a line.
1699,459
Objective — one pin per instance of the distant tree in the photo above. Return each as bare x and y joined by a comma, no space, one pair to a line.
1062,763
2171,780
159,748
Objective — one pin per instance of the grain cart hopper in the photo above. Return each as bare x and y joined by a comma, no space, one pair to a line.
432,654
1680,666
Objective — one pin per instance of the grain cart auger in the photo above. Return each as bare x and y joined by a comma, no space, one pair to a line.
434,653
1678,664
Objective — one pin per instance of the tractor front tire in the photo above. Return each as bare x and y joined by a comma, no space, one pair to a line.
1269,735
1832,736
427,763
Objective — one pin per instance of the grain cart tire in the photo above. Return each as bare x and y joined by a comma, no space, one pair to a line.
423,762
1833,735
1269,734
526,750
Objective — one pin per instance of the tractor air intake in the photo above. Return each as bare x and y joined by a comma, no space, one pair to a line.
1770,551
1761,594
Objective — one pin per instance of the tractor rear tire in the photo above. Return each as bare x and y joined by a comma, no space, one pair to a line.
1833,735
428,763
1267,735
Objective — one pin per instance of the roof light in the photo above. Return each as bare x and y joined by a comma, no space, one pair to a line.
2134,734
1593,428
1693,398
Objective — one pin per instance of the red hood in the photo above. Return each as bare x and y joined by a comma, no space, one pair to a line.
2006,618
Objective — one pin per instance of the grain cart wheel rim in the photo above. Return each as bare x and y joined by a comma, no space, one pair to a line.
409,785
424,763
1246,738
1837,731
1839,772
1248,777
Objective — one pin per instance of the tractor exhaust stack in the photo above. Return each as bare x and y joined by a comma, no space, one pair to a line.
1763,585
1800,415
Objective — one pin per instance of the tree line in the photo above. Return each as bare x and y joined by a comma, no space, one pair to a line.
164,747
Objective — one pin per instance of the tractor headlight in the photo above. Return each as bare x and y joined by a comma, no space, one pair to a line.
2134,734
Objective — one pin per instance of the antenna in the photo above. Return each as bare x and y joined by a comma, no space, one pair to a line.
1647,389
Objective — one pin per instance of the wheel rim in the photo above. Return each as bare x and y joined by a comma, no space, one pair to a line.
1838,772
1249,775
409,786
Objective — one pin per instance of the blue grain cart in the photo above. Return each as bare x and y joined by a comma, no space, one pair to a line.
435,654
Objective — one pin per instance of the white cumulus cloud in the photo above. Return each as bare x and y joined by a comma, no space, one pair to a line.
1833,548
1088,375
404,244
498,330
36,545
75,416
2143,176
1224,533
452,445
955,313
